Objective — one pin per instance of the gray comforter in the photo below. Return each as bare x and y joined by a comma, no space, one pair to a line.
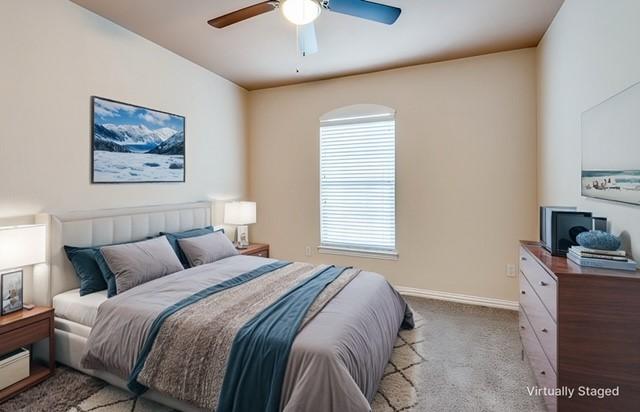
336,361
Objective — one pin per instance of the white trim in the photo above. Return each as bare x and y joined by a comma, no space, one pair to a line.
363,253
372,118
458,297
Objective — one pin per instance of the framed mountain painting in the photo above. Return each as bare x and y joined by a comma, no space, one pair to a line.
611,148
134,144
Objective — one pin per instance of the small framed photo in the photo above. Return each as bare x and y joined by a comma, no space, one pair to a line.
11,291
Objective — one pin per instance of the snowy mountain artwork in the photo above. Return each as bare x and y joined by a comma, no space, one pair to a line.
133,144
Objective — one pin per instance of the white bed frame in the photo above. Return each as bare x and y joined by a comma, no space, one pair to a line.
96,228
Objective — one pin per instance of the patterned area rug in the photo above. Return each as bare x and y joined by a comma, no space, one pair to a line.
397,391
458,358
111,399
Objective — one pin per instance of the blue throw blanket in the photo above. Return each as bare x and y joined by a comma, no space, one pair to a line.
260,351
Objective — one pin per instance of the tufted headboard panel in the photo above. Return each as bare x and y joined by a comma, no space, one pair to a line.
103,227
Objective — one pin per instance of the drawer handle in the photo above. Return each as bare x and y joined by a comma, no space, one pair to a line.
523,258
523,292
543,373
522,327
543,283
545,330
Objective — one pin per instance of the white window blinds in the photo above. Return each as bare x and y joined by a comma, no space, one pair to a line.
357,184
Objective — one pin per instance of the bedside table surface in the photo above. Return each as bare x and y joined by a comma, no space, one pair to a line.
23,315
253,246
255,249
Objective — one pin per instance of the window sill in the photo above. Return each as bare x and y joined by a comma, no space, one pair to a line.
363,253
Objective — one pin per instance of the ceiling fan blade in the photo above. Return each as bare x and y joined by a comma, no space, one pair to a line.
307,41
366,10
243,14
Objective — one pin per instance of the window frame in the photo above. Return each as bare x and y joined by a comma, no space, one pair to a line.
363,252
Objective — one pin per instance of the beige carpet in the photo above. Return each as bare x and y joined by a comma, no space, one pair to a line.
458,358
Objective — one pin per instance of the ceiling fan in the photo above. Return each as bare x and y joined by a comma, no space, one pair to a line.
303,13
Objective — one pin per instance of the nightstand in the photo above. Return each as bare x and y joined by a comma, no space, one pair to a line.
23,328
256,249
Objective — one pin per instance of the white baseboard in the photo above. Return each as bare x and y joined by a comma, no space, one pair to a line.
458,297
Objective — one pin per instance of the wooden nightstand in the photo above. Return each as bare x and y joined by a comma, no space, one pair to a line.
256,249
23,328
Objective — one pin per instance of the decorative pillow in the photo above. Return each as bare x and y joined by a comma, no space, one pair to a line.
136,263
107,274
86,266
207,248
173,240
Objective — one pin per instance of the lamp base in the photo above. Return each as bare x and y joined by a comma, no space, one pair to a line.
242,237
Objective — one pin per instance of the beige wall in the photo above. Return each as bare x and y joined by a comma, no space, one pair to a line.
55,55
466,168
590,52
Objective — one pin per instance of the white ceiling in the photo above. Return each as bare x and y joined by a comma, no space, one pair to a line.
261,52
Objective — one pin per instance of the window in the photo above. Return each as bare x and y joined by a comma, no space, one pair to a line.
357,184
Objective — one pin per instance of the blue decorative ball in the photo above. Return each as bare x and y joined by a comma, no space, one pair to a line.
596,239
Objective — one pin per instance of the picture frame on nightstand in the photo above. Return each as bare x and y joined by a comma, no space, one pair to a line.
11,291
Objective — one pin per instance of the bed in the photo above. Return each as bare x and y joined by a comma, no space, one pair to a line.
336,361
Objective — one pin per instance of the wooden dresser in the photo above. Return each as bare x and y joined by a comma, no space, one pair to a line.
580,328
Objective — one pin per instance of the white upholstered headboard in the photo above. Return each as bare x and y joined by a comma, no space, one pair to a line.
102,227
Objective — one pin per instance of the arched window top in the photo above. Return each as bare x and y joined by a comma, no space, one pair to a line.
358,113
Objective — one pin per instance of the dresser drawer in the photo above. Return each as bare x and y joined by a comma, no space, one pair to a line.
543,283
543,325
262,253
544,373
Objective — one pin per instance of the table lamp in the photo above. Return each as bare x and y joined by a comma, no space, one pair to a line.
241,214
19,246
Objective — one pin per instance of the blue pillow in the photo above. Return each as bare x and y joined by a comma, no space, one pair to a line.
173,240
84,262
107,274
93,262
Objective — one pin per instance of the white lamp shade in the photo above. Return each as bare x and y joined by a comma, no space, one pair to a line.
240,213
22,246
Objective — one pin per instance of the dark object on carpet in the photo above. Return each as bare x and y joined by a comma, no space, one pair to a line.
60,392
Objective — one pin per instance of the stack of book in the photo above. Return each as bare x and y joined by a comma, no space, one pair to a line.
606,259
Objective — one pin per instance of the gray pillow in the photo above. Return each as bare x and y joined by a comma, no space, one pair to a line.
204,249
136,263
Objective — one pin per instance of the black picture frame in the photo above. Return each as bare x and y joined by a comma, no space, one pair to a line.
93,134
20,295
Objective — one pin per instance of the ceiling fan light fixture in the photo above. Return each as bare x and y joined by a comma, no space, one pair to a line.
300,12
